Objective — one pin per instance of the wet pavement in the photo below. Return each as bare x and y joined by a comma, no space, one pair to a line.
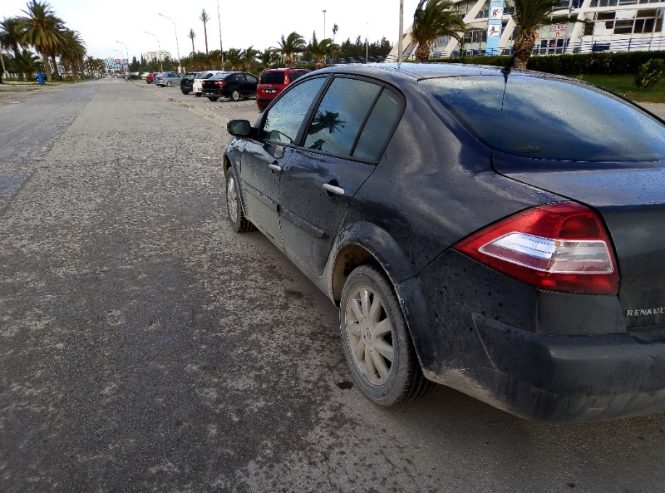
146,347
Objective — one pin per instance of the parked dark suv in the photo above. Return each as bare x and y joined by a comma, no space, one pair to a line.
187,82
234,85
273,81
499,232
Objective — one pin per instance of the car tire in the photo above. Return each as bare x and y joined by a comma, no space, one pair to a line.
185,92
213,98
168,83
373,330
235,213
235,95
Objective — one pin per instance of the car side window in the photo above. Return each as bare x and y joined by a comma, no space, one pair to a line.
252,79
379,127
283,120
340,115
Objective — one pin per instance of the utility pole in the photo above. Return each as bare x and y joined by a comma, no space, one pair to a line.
221,48
324,24
400,48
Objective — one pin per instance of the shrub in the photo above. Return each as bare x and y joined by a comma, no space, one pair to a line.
649,73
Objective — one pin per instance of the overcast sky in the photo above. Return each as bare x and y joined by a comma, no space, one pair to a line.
244,22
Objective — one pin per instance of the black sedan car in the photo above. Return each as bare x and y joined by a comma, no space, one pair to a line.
497,232
234,85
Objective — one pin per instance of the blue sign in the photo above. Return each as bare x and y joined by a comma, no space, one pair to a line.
494,27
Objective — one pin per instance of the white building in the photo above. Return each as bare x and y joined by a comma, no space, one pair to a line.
578,26
158,56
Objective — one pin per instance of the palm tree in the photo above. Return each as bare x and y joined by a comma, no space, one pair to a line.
269,57
43,30
191,36
432,19
294,43
11,32
234,58
319,50
205,18
72,52
26,63
529,16
249,56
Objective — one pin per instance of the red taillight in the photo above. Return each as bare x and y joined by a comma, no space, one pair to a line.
220,83
557,247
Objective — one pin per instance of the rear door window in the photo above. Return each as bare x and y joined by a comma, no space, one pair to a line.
379,127
340,115
551,119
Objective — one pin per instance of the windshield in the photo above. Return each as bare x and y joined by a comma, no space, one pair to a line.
550,119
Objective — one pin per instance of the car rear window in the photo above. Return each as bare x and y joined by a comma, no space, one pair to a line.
550,119
272,78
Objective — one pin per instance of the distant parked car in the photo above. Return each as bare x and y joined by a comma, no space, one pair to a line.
234,85
200,77
187,82
169,79
273,81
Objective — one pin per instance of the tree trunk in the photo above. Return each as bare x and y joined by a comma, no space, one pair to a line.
55,67
205,35
16,57
523,47
47,67
422,52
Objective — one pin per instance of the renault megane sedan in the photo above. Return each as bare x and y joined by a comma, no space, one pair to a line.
499,232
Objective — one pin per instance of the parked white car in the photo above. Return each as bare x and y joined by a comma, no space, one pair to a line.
200,77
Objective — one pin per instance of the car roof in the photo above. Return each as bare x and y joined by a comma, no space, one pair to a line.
419,71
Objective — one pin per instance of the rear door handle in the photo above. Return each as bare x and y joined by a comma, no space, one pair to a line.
335,190
275,167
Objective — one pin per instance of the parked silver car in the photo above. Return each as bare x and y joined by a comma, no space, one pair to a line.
169,79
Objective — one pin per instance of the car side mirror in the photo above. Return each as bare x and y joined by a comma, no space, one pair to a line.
239,128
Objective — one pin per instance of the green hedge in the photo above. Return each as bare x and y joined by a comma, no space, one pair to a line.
588,63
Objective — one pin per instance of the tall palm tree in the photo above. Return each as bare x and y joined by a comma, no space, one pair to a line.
294,43
205,18
268,57
529,16
11,32
43,30
191,36
432,19
72,52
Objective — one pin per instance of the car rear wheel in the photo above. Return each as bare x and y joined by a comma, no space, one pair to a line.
376,341
235,95
236,215
213,98
168,83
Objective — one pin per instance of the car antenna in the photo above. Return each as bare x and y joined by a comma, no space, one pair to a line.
506,72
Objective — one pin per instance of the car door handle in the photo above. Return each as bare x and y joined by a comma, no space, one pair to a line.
335,190
275,167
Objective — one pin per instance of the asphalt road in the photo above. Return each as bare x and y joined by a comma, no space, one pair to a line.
144,346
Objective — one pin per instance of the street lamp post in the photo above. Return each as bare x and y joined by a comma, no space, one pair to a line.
400,48
324,24
221,48
126,52
177,46
159,47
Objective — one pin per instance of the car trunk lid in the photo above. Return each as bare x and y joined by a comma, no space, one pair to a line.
630,197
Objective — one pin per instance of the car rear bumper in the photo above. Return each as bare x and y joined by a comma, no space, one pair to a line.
563,378
263,102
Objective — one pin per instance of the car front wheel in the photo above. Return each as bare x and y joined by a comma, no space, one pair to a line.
376,341
236,215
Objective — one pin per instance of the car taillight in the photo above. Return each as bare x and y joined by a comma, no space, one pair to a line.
557,247
220,83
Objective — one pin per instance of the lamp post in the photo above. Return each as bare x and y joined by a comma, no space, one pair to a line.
175,30
159,47
324,24
400,47
221,48
126,52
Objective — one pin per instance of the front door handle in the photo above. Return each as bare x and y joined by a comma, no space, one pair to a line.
275,167
333,189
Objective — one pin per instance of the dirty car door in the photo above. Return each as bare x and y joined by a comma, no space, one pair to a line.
265,157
